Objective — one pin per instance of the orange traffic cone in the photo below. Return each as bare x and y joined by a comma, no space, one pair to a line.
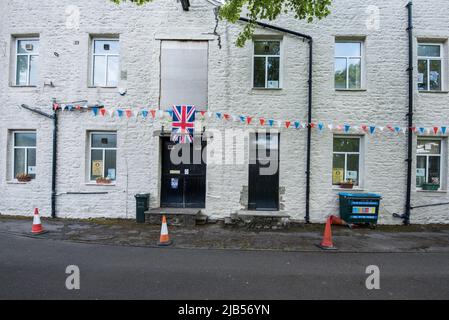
326,243
164,239
37,226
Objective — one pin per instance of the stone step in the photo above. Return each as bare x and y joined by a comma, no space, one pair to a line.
186,217
260,219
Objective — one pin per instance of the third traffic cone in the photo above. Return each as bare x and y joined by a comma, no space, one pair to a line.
164,239
37,225
327,243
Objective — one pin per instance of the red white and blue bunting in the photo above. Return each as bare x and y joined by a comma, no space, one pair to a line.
345,127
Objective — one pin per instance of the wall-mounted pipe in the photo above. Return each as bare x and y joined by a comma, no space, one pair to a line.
406,216
309,103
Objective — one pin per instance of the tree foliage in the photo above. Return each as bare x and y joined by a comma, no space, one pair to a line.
231,11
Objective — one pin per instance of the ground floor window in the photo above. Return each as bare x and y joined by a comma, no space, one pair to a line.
24,154
428,161
103,155
346,160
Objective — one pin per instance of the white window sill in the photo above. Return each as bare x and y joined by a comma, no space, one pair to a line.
352,90
431,191
432,91
18,182
112,184
336,188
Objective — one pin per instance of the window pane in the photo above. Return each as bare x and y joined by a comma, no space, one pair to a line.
33,46
259,72
340,73
434,170
33,70
19,161
352,167
267,47
435,75
22,71
420,170
113,71
428,147
99,71
355,67
31,165
106,47
110,164
104,140
428,50
97,164
422,74
273,72
25,139
348,49
346,144
338,168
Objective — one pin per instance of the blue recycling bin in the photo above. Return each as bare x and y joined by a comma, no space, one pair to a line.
358,208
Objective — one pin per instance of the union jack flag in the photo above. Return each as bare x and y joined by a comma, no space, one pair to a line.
183,124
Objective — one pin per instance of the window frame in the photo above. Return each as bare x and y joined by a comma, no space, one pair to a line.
17,54
362,63
91,133
92,63
280,56
440,155
13,166
428,59
359,153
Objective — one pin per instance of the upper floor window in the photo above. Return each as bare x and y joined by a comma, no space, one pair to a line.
105,62
24,156
27,54
348,64
267,60
428,162
429,66
103,155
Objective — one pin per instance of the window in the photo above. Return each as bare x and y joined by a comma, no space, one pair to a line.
105,62
24,153
267,59
103,155
348,65
27,54
346,160
429,67
428,162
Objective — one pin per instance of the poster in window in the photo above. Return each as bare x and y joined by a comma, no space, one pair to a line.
31,169
420,78
337,175
420,172
111,174
351,175
97,168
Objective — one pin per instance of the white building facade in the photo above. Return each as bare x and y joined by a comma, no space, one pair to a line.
127,59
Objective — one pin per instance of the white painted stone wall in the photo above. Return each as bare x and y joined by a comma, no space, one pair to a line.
138,168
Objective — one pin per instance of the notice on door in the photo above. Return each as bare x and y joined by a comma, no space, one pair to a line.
174,183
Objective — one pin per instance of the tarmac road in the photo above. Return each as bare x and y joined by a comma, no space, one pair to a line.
35,269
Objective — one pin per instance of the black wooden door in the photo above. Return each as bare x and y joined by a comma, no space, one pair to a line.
263,189
183,182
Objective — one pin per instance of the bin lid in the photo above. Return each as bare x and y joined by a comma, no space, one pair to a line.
142,195
360,195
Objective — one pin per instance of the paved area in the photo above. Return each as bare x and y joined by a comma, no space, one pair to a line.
429,238
35,269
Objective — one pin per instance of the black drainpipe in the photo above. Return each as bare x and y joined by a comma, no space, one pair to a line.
54,117
406,216
309,104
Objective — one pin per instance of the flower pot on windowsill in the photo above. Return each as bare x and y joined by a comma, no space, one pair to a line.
430,186
346,185
103,181
23,177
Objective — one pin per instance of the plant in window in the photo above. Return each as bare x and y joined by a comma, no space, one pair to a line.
103,180
23,177
434,185
348,184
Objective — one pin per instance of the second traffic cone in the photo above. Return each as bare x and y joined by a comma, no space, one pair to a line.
37,225
327,243
338,221
164,239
